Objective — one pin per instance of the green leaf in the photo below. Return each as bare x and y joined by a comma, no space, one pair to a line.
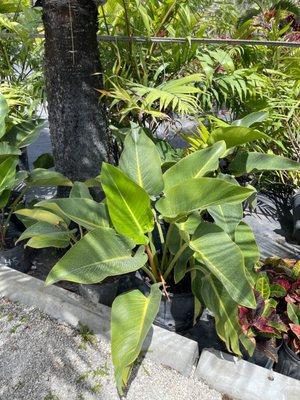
8,173
41,215
25,133
245,239
3,114
251,119
128,204
199,193
225,311
225,260
45,161
263,287
194,165
6,150
141,162
4,197
99,254
227,216
45,177
293,312
236,135
85,212
43,234
80,189
181,265
277,290
131,319
246,162
12,6
40,242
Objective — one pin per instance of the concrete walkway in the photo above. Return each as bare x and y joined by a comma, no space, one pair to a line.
41,359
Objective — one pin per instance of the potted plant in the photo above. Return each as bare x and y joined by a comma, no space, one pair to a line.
276,319
186,221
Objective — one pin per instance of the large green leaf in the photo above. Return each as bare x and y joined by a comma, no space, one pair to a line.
99,254
236,135
12,6
4,197
41,215
195,165
199,193
7,173
3,113
140,160
45,177
245,239
225,260
7,150
85,212
80,189
43,234
131,319
25,133
128,204
227,216
225,311
250,119
246,162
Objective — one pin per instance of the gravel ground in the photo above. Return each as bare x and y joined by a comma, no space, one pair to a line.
41,359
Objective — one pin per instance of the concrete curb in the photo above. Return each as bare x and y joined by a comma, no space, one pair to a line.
242,380
162,346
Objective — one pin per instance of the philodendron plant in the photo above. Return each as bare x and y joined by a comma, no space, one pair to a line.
119,235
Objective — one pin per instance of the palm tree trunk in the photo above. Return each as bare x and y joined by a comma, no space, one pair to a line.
77,120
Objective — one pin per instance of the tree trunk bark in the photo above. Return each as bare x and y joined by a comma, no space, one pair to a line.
78,126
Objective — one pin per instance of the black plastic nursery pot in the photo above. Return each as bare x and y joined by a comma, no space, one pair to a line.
16,257
296,216
176,313
288,362
103,293
261,358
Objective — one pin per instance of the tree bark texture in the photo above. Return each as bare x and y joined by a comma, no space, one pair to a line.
77,120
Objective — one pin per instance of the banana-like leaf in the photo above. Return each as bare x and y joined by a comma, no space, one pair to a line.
225,311
141,162
246,162
7,150
181,265
227,216
131,319
245,239
199,193
12,6
4,197
99,254
250,119
236,135
45,177
214,248
25,133
128,204
80,189
7,173
43,234
85,212
41,215
3,113
195,165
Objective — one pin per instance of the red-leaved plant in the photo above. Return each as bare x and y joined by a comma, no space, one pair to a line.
277,314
